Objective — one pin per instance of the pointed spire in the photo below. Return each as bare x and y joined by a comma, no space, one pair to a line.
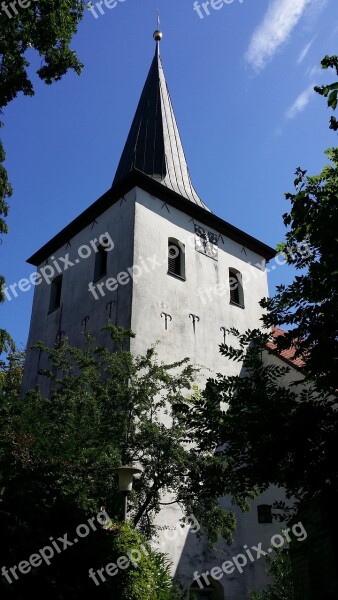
154,145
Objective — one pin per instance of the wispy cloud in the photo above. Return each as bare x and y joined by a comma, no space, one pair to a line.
300,103
313,72
304,52
280,19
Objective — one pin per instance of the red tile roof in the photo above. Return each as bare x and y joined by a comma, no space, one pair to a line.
286,355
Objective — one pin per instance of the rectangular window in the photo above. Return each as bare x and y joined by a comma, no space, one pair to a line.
55,293
264,513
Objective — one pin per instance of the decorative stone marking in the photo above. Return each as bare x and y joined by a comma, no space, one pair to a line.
166,317
194,319
84,322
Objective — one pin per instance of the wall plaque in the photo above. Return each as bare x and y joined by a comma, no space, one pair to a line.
206,242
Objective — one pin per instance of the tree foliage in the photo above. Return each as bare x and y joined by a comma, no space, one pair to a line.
5,192
267,431
11,372
308,307
280,570
149,578
330,91
59,453
57,468
46,26
108,408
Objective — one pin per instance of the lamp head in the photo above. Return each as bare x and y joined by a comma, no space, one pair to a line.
126,475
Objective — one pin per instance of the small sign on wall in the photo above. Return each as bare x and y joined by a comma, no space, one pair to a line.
206,242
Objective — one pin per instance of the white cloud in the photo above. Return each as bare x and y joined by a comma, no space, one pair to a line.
280,19
304,52
300,103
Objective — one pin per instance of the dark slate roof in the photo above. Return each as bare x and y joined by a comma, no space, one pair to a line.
154,145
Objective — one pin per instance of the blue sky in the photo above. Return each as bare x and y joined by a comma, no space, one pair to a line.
241,83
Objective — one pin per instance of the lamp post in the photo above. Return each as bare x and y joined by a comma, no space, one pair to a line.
126,474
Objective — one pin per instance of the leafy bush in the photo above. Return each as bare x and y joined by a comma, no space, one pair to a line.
146,578
279,568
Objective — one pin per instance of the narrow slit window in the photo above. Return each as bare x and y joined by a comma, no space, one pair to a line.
176,258
55,294
100,263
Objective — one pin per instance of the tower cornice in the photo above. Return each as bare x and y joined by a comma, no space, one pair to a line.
148,184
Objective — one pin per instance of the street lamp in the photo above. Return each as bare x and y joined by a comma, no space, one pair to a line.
126,474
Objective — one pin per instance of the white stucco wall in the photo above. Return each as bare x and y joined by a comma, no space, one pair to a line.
77,301
157,292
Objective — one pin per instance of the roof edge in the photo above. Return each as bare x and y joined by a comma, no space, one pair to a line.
138,179
287,355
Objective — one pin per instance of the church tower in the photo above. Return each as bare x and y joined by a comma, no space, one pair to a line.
150,255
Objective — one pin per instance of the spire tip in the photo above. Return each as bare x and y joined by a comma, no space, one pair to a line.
158,35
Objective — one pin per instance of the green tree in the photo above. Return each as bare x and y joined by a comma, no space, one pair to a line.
267,431
330,91
280,570
11,372
308,307
5,192
149,578
118,418
59,454
46,26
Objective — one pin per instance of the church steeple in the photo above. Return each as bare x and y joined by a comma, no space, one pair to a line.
154,145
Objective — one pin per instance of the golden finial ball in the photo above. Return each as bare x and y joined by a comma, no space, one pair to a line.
158,35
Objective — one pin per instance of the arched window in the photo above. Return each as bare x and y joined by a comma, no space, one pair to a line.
100,262
212,590
236,288
176,258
